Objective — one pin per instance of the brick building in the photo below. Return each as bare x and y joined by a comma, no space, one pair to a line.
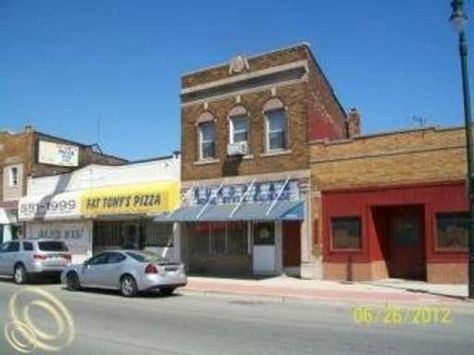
392,205
246,182
32,154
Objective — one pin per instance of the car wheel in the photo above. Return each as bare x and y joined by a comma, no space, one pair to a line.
72,281
168,291
20,276
128,286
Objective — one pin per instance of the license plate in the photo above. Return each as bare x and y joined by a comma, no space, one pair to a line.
171,268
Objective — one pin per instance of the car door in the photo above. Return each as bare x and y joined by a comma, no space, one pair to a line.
3,257
10,256
113,269
92,273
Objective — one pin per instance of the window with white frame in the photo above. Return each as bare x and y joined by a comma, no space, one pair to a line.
13,176
239,129
207,143
276,127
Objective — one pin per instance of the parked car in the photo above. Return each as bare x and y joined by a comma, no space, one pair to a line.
129,271
25,259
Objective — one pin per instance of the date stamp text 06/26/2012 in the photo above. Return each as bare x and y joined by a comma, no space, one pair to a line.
391,314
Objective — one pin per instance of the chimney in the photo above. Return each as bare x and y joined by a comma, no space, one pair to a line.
353,123
28,128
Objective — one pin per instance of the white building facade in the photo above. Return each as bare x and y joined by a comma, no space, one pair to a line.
106,207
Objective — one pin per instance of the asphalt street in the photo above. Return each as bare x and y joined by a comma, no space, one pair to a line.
106,323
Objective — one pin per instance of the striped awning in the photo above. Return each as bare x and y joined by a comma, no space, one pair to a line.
281,210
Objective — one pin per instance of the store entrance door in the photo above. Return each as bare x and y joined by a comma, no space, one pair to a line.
406,243
264,249
131,236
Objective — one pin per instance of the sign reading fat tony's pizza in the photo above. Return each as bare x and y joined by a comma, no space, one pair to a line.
135,199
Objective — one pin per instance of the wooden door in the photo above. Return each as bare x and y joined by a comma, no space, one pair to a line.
291,243
406,244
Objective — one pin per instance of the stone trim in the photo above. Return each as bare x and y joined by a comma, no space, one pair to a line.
246,76
206,162
205,117
268,87
276,153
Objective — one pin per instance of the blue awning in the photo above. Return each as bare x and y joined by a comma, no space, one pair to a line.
282,210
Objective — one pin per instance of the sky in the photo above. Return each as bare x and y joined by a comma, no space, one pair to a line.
108,71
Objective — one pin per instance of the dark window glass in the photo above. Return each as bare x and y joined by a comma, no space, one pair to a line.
146,257
52,246
207,140
452,230
99,259
218,238
159,234
346,233
199,242
27,246
276,129
114,258
13,246
237,238
108,234
264,233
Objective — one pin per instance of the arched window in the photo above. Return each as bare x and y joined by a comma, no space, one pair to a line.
276,125
239,125
206,133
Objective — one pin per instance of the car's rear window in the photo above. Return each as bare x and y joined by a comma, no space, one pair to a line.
52,246
146,257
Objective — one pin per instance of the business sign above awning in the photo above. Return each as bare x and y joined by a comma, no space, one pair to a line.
65,205
258,192
58,154
135,199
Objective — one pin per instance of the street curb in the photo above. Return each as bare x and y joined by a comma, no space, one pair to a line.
327,299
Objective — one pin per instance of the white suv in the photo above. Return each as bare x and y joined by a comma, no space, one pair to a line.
24,259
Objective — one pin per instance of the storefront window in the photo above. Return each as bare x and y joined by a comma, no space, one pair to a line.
237,238
452,230
218,237
107,234
159,234
199,238
346,233
264,233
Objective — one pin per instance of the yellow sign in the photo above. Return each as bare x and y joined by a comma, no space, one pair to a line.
134,199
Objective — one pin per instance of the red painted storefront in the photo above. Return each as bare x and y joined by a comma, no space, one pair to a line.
381,212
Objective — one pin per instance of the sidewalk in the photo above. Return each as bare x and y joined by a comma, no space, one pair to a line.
390,290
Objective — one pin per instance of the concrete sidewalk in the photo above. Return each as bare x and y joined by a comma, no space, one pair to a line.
390,290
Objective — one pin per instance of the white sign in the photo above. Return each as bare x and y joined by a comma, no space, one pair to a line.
58,154
77,235
233,193
63,205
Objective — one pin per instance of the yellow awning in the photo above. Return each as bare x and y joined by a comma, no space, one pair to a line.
150,198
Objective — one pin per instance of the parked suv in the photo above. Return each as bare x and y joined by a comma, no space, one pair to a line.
25,259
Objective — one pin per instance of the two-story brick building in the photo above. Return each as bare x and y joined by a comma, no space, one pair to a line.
32,154
246,187
392,205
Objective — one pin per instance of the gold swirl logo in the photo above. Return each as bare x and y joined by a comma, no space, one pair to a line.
25,335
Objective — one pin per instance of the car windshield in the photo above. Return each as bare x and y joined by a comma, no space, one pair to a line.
146,257
52,246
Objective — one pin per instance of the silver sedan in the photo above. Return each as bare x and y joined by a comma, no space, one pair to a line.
129,271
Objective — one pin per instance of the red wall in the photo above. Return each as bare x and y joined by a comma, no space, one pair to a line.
434,198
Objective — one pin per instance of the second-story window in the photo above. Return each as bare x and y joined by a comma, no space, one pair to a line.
207,143
239,129
276,127
13,180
